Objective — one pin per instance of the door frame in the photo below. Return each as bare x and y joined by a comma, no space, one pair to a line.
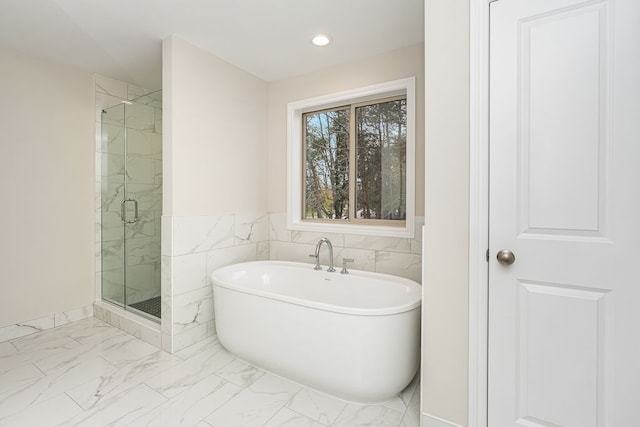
478,212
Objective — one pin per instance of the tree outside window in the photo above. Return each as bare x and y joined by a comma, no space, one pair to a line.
355,170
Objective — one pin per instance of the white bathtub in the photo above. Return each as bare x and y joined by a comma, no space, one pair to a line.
355,336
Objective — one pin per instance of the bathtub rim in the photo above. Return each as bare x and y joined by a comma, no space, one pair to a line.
383,311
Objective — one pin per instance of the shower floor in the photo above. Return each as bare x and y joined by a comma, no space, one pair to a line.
149,306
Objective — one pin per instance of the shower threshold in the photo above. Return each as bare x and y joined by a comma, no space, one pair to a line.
132,321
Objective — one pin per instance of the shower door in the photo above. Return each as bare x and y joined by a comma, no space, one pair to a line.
131,200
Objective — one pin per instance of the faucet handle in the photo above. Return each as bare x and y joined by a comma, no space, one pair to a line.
317,257
344,265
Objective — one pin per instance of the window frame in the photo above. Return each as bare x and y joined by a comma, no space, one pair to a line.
296,160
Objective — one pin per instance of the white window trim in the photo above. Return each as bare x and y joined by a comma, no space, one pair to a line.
296,109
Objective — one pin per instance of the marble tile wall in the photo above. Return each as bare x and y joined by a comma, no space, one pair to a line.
22,329
390,255
193,247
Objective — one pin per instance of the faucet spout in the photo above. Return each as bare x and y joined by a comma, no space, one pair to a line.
317,254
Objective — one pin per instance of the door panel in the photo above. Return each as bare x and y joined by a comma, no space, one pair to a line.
560,58
565,199
557,352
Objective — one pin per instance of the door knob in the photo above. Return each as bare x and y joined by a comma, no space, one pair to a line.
506,257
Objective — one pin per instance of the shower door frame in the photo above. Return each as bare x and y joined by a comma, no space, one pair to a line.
129,215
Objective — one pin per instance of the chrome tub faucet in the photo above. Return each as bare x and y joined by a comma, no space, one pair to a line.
317,254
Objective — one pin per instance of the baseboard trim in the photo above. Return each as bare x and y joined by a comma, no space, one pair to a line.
431,421
21,329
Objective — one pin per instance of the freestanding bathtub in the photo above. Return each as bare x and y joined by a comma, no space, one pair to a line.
354,336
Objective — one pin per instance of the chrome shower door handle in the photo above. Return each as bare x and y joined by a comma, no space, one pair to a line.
123,209
135,216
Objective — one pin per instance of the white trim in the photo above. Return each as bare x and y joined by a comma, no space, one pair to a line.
45,323
433,421
478,211
294,154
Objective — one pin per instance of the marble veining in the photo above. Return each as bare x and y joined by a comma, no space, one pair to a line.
11,332
196,308
390,255
88,373
201,234
26,328
194,246
251,228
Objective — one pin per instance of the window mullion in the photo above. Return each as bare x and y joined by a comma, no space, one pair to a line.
352,163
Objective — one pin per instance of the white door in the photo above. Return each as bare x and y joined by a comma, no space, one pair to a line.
564,318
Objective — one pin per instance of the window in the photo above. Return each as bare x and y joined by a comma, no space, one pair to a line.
351,161
356,172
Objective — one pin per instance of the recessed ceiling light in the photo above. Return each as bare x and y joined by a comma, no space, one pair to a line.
321,39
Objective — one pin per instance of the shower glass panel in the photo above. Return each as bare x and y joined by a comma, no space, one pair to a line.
131,192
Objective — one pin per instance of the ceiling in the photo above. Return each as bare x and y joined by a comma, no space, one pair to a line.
268,38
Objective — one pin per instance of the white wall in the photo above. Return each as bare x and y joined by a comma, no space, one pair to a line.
445,297
215,182
399,256
47,187
216,112
389,66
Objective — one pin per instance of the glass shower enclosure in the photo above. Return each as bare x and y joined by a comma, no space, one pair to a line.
131,203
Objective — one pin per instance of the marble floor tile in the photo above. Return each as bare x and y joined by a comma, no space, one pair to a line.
185,374
317,406
256,404
15,381
240,373
61,345
45,387
411,417
288,418
120,410
368,415
130,351
53,412
191,406
88,373
6,349
196,348
63,360
38,340
124,378
95,330
401,402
